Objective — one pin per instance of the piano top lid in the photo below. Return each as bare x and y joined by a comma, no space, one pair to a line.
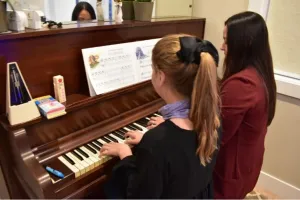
95,25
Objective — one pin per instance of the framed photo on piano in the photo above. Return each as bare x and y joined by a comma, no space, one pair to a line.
117,66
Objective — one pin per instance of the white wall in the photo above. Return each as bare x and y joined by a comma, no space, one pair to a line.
166,8
216,12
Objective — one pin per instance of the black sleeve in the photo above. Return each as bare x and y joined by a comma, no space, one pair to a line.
142,173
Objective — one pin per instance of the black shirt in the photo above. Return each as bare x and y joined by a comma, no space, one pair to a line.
164,165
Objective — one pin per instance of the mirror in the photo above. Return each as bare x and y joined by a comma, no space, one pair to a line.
61,10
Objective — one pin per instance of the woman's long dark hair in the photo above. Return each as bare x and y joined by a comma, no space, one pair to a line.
83,6
248,44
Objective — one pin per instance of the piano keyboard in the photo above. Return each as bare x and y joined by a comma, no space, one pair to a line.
86,157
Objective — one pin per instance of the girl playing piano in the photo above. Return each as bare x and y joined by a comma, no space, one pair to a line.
176,158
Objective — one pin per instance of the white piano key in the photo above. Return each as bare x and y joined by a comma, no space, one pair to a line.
147,118
74,169
157,115
93,157
119,139
77,164
127,129
87,160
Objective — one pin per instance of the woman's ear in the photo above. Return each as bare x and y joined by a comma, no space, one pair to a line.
161,77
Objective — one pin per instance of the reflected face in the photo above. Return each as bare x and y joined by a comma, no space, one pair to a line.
84,15
224,45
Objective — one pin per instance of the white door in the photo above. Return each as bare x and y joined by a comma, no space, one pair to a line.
170,8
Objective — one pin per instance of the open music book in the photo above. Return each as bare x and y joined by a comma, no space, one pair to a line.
113,67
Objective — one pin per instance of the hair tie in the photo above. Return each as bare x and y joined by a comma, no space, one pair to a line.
192,47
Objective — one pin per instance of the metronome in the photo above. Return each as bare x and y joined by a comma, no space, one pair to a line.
20,107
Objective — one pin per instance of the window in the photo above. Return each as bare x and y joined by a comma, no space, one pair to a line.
284,29
283,20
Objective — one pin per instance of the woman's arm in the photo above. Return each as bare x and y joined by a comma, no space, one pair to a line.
238,96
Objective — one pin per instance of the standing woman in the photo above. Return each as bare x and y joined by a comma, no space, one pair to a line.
248,95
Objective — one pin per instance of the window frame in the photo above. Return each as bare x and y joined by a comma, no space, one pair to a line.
287,83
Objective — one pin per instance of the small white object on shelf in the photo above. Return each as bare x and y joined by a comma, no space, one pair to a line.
119,12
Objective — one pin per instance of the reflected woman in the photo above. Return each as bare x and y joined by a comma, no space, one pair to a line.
83,11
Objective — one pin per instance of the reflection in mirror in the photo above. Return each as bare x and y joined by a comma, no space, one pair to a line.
60,10
67,11
83,11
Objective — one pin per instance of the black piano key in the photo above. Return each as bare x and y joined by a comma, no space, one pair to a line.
121,132
142,124
95,146
159,114
69,159
138,128
105,139
149,116
90,149
118,135
131,127
112,139
77,155
98,143
144,120
82,153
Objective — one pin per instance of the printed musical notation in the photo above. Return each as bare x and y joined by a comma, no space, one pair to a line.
116,66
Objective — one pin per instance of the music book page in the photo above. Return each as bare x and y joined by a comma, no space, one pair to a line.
113,67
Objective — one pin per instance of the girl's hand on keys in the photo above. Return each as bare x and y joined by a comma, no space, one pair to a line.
134,137
155,121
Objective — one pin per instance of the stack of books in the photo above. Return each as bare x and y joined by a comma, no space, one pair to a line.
50,107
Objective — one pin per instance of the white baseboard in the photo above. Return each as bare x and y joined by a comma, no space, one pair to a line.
278,187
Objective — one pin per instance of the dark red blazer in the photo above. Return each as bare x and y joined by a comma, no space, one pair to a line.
244,121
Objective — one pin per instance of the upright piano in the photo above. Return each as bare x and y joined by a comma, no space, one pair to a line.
71,143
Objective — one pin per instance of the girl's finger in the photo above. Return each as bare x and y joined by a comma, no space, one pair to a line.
130,134
103,152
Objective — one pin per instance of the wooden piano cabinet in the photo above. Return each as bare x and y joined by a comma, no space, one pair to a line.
27,148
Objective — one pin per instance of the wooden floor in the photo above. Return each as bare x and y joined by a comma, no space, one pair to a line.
259,193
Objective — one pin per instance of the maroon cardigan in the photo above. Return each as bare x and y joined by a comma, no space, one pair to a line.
244,121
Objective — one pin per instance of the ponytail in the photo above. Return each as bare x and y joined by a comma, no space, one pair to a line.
204,112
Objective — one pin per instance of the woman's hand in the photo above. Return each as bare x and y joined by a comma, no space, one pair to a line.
134,137
154,122
115,149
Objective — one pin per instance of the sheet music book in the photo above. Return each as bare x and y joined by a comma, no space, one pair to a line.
116,66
